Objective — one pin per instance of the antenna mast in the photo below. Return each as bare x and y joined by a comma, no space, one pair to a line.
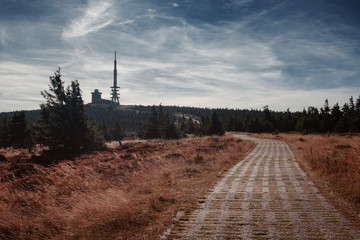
114,89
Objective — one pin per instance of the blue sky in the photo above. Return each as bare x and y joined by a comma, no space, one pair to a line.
201,53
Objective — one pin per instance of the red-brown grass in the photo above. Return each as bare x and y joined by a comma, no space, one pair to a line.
334,158
131,191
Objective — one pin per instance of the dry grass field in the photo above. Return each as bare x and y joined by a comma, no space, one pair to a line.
132,191
334,159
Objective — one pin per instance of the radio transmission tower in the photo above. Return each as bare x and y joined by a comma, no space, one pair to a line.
114,89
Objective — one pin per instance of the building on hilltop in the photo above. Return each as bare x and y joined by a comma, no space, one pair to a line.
96,98
114,102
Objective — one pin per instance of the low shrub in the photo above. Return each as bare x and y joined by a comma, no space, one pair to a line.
198,158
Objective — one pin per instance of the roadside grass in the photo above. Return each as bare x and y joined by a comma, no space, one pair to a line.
334,158
131,191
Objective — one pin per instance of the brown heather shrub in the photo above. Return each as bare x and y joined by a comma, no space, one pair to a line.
131,191
198,158
341,167
334,158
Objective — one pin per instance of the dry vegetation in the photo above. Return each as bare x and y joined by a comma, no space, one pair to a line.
335,159
131,191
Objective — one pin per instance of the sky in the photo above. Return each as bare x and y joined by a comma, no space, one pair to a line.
241,54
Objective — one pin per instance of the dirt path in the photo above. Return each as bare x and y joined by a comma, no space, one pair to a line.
265,196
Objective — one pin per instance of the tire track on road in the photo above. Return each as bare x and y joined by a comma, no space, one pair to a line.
265,196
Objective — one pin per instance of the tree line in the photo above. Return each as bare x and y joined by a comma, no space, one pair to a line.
160,125
327,119
65,123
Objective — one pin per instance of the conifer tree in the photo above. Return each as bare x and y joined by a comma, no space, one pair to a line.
357,105
104,131
19,131
116,133
63,120
4,133
159,126
171,132
150,129
190,128
325,118
182,127
356,121
215,126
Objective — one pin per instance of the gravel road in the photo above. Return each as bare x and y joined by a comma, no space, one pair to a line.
265,196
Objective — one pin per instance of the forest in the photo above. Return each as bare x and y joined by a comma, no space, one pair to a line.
64,122
175,122
327,119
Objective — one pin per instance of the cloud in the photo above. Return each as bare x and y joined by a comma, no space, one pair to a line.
196,60
245,57
4,37
22,84
237,3
315,56
182,62
96,16
175,5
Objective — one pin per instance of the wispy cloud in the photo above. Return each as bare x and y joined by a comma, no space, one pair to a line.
237,3
222,65
282,55
27,94
4,37
97,15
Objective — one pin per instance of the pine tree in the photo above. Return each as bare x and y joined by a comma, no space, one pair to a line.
171,132
150,129
159,126
204,126
63,120
4,134
325,118
182,127
267,121
309,121
356,122
19,131
215,127
104,131
163,122
116,133
190,128
357,105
